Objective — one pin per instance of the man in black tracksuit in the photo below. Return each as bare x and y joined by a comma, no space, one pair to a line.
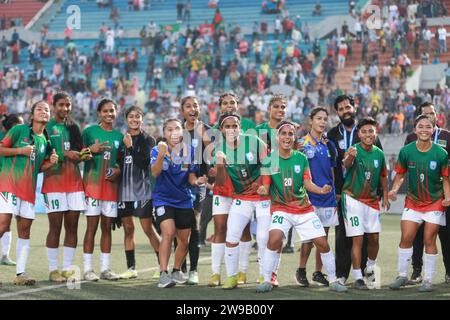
344,135
442,138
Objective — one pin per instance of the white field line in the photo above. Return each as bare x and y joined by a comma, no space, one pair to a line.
22,292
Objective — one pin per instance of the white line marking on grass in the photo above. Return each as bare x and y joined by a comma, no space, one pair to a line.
57,286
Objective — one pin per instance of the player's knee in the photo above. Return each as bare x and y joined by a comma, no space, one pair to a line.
128,229
274,243
233,236
262,238
221,230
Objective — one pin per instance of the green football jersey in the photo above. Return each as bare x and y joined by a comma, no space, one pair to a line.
243,164
19,173
425,171
267,134
363,177
287,190
65,176
96,186
246,124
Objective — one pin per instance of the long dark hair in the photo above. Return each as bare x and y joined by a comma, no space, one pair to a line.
10,121
48,148
76,142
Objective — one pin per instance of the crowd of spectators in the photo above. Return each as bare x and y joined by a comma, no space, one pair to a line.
214,56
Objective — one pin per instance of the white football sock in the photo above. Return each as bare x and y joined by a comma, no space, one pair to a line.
329,264
104,261
357,274
87,259
52,255
245,248
231,260
6,243
217,253
270,260
22,251
429,266
404,258
371,264
68,254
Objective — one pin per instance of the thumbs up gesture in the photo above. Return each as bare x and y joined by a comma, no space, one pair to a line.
54,157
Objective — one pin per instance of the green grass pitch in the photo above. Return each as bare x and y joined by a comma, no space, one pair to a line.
144,287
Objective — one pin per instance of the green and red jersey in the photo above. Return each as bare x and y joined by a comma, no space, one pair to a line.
267,134
19,173
243,165
363,177
425,171
225,190
65,176
286,177
95,184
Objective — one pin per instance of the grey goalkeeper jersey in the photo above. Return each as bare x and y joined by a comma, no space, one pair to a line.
135,183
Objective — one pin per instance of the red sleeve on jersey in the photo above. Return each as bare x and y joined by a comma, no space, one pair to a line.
266,180
399,169
307,175
7,142
444,171
384,172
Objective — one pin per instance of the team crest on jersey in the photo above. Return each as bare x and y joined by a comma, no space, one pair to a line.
310,153
195,143
375,163
297,168
25,139
249,156
165,165
411,164
265,204
116,144
317,224
368,175
433,165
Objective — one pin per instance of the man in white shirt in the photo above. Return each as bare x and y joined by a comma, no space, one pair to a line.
442,39
426,34
358,30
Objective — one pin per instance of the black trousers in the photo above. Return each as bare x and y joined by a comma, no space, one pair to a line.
343,249
444,237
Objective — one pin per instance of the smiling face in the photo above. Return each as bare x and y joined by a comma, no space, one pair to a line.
190,110
424,129
229,104
41,112
134,120
367,134
62,108
319,122
173,133
230,129
107,113
286,137
277,110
